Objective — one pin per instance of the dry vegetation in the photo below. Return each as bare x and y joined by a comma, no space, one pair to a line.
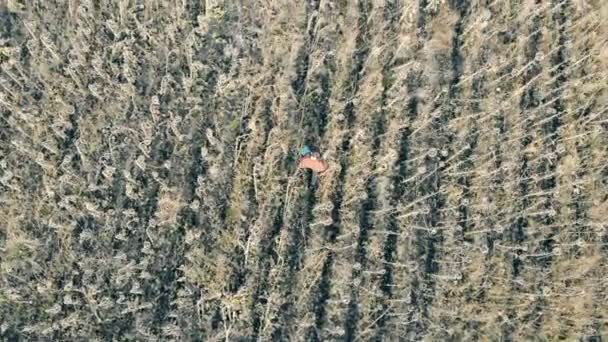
149,190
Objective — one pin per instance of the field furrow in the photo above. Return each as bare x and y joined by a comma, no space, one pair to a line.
364,255
313,101
324,299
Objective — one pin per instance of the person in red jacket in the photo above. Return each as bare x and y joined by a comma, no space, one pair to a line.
311,160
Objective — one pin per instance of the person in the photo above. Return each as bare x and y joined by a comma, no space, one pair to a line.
311,160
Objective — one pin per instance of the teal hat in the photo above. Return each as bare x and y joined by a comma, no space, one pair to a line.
305,150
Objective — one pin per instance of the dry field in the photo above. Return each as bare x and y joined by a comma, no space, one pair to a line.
149,187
